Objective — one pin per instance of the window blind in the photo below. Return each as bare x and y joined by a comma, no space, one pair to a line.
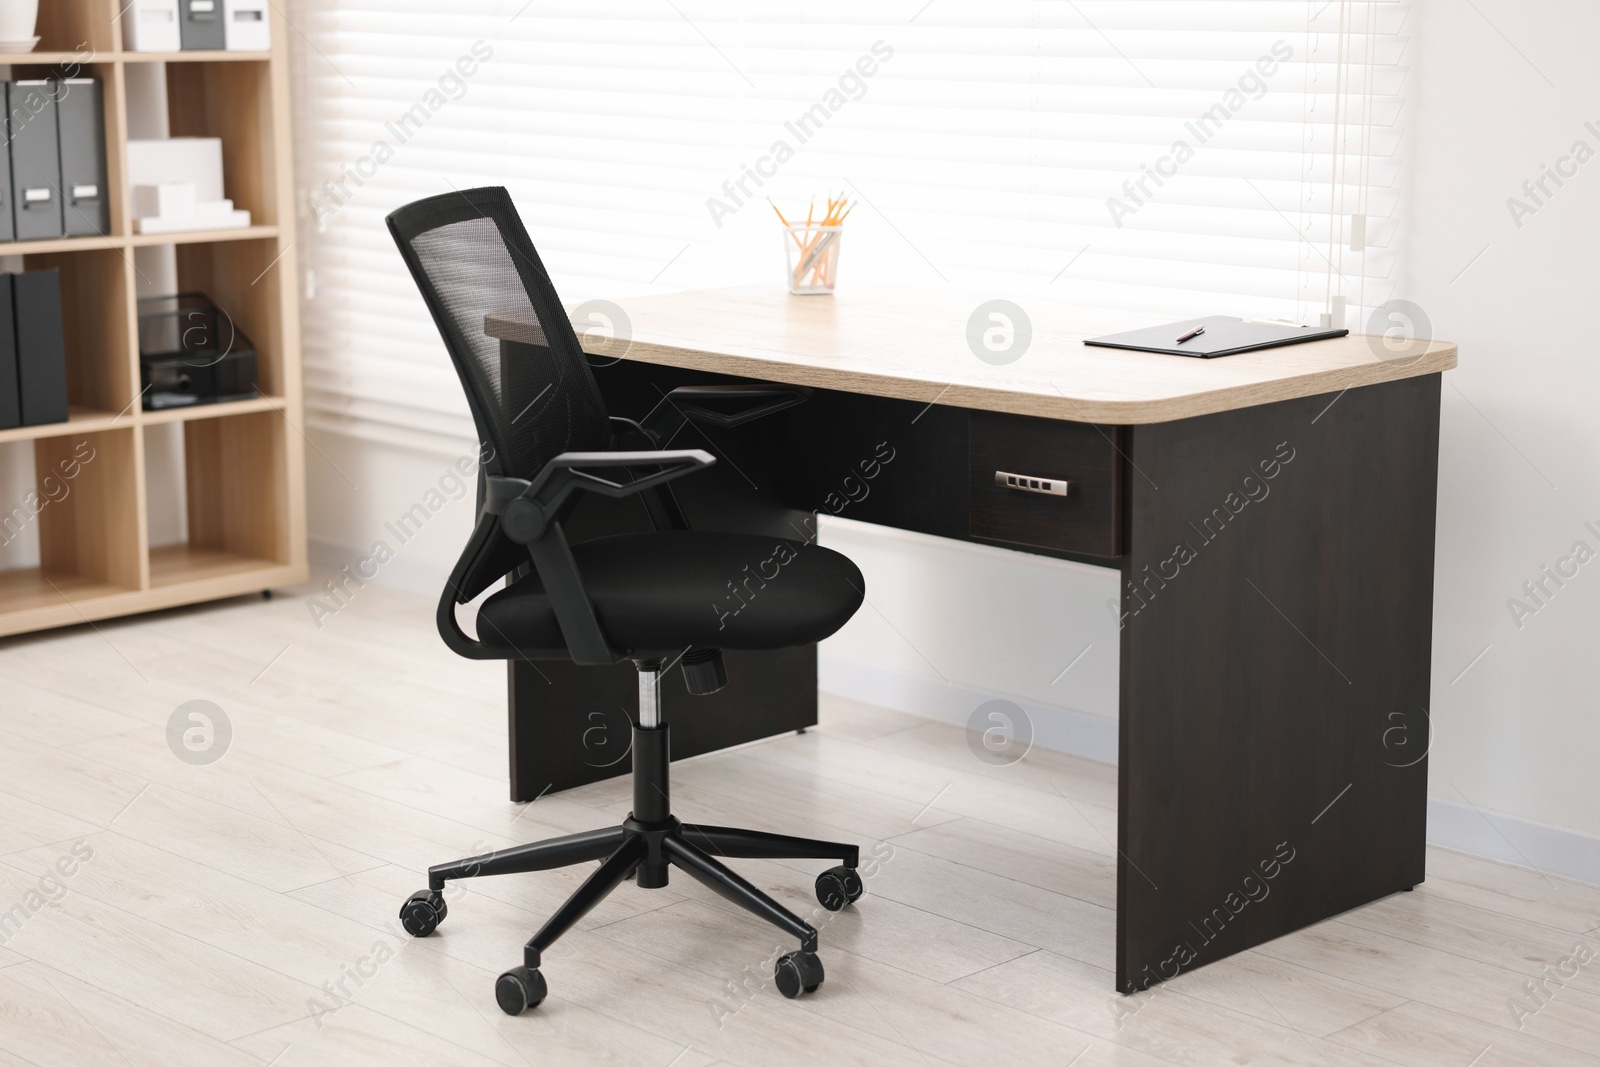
1231,157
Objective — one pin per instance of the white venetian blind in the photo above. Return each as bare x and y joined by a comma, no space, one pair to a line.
1177,155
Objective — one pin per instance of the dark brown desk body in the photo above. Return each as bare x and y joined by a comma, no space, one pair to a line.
1277,563
1275,644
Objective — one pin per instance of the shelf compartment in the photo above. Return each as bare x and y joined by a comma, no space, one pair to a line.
246,280
232,101
82,508
95,313
94,530
66,27
85,65
234,484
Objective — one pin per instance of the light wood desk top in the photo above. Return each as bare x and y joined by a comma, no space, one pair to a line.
909,343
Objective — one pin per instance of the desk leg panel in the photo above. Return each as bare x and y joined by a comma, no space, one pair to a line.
571,725
1276,643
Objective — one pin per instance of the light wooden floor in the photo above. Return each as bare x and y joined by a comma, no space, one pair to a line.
221,903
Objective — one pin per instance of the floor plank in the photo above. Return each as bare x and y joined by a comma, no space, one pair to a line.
1454,984
1163,1023
197,985
54,1020
1431,1037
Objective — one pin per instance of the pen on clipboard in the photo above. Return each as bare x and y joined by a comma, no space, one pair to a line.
1192,334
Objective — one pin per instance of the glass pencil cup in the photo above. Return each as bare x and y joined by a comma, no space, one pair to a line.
813,255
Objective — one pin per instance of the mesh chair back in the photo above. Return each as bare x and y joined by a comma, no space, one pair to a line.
472,259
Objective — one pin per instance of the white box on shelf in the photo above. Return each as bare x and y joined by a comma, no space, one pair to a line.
157,168
248,25
151,26
205,220
168,200
178,159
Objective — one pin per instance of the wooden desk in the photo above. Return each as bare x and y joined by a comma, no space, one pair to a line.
1271,515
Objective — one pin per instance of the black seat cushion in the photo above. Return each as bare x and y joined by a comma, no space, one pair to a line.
658,592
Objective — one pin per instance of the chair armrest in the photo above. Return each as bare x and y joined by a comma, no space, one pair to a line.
630,436
687,402
445,616
528,511
659,503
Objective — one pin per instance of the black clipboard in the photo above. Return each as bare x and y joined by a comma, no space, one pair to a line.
1224,336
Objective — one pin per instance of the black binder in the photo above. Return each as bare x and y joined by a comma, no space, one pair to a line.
1224,335
35,159
200,25
10,403
81,124
40,346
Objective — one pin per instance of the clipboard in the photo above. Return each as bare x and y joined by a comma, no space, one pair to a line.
1224,336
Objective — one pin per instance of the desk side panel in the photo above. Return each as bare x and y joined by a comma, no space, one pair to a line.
572,725
1278,599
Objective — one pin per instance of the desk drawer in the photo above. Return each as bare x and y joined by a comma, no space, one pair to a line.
1043,483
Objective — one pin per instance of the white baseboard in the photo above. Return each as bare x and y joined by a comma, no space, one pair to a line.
1519,842
1460,827
1059,729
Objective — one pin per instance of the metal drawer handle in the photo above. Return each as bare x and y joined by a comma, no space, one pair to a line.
1022,482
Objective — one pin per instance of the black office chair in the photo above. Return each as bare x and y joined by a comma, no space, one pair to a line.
652,598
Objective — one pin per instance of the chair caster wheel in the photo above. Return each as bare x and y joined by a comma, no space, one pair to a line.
797,972
519,989
423,911
838,886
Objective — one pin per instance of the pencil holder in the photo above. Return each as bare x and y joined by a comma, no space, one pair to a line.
813,255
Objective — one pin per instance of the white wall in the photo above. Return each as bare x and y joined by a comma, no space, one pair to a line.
359,491
1519,732
1516,736
948,626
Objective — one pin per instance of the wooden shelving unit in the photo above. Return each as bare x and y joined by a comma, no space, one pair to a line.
244,477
